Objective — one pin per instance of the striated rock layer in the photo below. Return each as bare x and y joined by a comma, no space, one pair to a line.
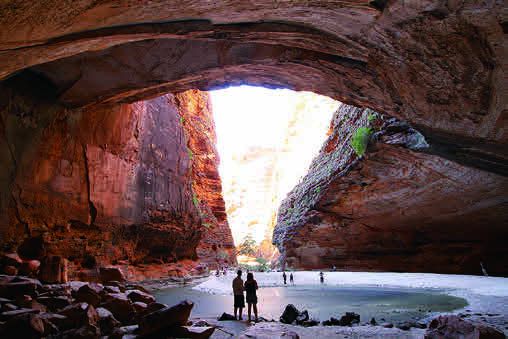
437,64
398,208
195,111
111,185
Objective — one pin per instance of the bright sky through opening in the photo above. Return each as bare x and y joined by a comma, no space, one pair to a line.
266,140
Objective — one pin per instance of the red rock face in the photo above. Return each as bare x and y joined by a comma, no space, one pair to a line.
438,65
216,246
105,186
400,208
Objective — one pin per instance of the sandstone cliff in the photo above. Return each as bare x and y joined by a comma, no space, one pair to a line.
105,186
216,245
398,208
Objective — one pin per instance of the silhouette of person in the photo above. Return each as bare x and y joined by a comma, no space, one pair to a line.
291,280
321,277
284,277
238,294
251,286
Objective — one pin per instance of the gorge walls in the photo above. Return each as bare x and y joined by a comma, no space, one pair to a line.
216,245
398,208
114,185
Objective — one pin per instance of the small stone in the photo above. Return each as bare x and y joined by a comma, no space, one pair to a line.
387,325
226,316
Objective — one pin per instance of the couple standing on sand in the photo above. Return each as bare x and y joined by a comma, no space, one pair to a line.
250,288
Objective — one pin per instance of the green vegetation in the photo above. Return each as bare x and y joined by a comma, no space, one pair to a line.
195,200
248,246
182,120
360,140
207,225
190,154
263,264
372,117
317,189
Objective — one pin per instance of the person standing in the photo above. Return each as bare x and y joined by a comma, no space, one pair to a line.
239,302
321,277
251,286
284,277
291,280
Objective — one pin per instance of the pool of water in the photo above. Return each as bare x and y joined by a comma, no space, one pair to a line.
322,302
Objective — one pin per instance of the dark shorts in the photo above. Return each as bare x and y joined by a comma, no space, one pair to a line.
252,299
239,301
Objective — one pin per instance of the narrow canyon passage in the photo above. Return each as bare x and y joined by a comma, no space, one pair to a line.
387,161
266,141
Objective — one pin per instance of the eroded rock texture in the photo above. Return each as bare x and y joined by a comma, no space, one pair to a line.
101,186
438,64
195,112
400,208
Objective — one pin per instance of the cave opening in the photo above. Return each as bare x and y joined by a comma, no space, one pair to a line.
110,167
266,139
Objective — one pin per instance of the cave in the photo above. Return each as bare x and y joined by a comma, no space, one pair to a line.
90,91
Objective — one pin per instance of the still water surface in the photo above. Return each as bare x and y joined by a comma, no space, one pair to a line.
322,302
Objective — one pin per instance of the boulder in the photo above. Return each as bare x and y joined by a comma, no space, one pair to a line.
5,316
107,322
124,331
84,332
310,323
53,270
289,315
302,317
10,259
30,268
90,293
137,295
120,306
80,314
119,284
349,319
10,270
387,325
55,303
140,307
452,326
167,317
112,289
26,325
109,274
226,316
19,286
9,307
331,322
60,321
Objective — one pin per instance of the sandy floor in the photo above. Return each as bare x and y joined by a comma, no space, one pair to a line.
487,298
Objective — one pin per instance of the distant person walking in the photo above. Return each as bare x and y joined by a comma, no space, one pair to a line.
238,294
484,271
251,286
321,277
284,277
291,280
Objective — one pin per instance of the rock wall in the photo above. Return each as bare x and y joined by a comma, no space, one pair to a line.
216,246
398,208
103,186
